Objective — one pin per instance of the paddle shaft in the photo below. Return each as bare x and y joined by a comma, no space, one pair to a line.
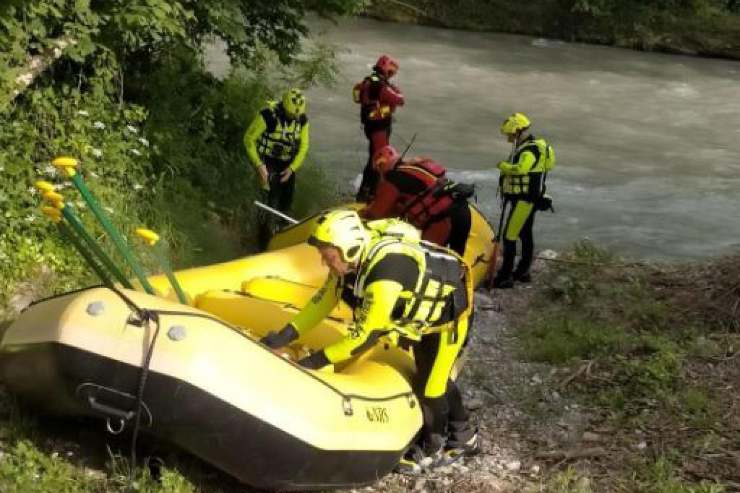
162,259
67,233
497,237
275,212
115,236
77,227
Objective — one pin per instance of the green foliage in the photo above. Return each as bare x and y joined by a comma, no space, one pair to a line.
567,481
197,125
710,27
594,308
138,32
652,369
25,469
561,340
660,476
115,158
160,145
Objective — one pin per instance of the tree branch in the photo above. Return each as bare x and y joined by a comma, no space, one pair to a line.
39,63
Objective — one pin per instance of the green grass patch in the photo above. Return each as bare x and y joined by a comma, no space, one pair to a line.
661,476
567,481
658,362
563,339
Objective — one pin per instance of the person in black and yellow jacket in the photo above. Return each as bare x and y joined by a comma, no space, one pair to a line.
523,188
277,143
412,291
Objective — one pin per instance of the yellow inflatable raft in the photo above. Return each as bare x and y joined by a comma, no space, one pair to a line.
206,385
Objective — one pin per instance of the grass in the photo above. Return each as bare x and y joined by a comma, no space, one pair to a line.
659,352
662,476
35,459
563,340
39,455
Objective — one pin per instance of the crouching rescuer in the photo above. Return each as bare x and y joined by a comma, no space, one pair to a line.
416,292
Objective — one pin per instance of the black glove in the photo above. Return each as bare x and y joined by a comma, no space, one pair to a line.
275,340
315,361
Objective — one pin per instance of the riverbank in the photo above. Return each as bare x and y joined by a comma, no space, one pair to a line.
706,33
602,375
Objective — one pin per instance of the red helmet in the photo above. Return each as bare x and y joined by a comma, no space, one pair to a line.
385,159
387,66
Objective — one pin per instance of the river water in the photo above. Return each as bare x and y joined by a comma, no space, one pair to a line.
648,145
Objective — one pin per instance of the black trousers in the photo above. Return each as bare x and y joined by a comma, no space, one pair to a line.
461,223
279,196
377,137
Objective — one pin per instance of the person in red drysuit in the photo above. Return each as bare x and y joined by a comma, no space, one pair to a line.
378,100
418,192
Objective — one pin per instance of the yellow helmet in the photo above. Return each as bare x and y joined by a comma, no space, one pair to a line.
343,230
516,122
294,102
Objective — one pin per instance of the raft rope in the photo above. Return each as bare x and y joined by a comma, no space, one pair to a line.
147,317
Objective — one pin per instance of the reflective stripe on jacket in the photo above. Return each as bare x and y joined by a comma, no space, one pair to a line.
272,135
405,288
522,178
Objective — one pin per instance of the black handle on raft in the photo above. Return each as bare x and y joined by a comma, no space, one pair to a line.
109,411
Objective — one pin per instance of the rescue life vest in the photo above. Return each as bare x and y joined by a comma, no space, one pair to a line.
281,138
439,295
367,94
434,202
530,186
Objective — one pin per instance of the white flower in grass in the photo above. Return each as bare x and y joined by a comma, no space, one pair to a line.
80,204
99,125
135,152
109,210
50,169
138,186
132,129
96,152
33,190
83,113
94,174
29,218
144,142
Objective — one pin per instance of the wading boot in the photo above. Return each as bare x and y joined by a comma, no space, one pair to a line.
503,283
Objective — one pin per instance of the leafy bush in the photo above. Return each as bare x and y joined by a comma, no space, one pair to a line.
115,160
160,140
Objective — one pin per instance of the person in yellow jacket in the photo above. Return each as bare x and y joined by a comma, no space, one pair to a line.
412,291
523,188
277,143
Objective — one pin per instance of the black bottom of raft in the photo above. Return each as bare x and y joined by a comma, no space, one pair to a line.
69,381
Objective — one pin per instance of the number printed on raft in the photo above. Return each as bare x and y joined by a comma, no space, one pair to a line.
377,415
